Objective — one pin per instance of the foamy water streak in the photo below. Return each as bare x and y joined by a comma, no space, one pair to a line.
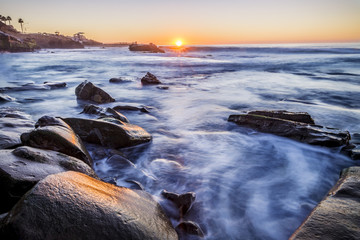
249,185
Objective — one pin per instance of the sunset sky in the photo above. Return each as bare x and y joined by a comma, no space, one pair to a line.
195,22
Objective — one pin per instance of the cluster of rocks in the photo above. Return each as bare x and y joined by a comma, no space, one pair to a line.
145,48
337,216
47,177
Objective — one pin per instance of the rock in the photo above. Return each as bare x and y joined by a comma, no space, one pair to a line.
116,80
109,132
182,201
337,216
22,168
88,91
163,87
311,134
149,79
131,108
6,98
27,87
54,134
189,227
146,48
54,85
104,112
302,117
72,205
12,124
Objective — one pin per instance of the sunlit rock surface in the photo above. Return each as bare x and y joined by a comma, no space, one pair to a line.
108,132
72,205
54,134
88,91
22,168
288,125
337,216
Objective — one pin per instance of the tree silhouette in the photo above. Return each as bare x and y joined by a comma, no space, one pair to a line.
3,18
8,18
21,24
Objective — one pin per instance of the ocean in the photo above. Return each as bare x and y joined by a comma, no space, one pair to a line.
248,185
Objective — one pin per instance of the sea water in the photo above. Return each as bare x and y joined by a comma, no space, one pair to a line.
248,185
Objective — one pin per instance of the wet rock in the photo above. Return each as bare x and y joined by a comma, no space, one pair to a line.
109,132
149,79
116,80
145,48
353,149
189,228
55,85
311,134
12,124
131,108
337,216
182,201
163,87
54,134
6,98
22,168
72,205
27,87
302,117
88,91
104,112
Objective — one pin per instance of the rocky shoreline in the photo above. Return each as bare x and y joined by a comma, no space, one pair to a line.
51,190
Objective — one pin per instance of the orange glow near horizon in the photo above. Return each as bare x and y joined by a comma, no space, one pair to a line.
206,21
179,43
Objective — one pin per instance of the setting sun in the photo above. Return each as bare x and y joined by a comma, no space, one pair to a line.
179,43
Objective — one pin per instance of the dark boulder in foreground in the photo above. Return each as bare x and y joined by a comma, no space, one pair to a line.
12,124
88,91
72,205
54,134
282,126
149,79
108,132
302,117
145,48
337,216
186,228
22,168
104,112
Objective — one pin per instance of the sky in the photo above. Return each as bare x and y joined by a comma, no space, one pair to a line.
193,21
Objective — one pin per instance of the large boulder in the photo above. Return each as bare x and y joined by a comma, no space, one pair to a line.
22,168
54,134
88,91
300,131
108,132
149,79
337,216
104,112
302,117
145,48
12,124
72,205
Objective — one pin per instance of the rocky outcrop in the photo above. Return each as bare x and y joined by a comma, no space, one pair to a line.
337,216
145,48
302,117
12,124
10,43
108,132
72,205
149,79
5,98
22,168
104,112
88,91
285,126
144,109
54,134
33,86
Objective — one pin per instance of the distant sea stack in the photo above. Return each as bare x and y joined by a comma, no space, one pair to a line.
145,48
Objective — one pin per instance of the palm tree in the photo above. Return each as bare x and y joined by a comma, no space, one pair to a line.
8,18
3,18
21,24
